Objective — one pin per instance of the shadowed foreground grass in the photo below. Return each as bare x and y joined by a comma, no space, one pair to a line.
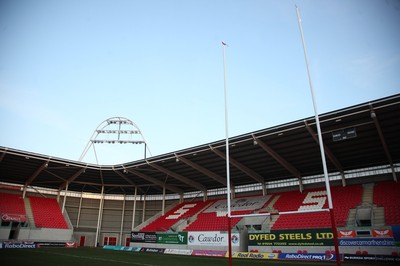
101,257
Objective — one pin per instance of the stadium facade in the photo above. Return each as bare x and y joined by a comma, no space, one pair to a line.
273,171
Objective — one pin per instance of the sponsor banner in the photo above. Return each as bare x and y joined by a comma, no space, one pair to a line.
71,244
186,252
252,255
18,218
382,233
297,237
209,253
396,232
152,250
19,245
143,237
212,239
239,204
310,256
51,244
122,248
379,258
172,238
377,242
346,233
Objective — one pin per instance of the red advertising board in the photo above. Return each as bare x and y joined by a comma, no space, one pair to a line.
19,218
382,233
346,233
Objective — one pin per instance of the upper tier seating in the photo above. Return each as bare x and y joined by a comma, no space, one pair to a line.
210,221
182,211
387,195
12,204
47,213
343,199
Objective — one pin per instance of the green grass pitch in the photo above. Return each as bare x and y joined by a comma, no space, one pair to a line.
101,257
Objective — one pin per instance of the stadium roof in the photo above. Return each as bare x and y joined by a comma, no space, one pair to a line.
359,136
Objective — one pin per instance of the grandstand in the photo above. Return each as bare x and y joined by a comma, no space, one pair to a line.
273,170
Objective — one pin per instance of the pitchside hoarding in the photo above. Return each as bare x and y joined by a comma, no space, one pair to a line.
305,237
180,238
257,255
143,237
160,238
211,239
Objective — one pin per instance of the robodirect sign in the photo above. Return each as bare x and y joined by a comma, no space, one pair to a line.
306,237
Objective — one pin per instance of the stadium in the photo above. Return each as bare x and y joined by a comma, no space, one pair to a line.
176,203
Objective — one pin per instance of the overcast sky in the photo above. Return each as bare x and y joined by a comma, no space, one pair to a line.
68,65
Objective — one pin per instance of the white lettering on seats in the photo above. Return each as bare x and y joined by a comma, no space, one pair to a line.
181,211
315,200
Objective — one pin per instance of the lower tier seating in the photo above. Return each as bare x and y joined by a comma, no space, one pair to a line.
343,199
12,204
387,195
47,213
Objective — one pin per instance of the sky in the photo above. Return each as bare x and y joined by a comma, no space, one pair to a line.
68,65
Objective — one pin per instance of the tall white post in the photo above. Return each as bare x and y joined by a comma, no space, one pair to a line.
228,179
321,145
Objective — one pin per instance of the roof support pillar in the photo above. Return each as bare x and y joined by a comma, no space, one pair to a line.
301,186
163,201
264,188
343,178
383,141
134,209
79,211
144,208
99,216
181,198
122,221
65,198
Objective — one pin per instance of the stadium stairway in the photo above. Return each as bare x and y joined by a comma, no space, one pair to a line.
29,213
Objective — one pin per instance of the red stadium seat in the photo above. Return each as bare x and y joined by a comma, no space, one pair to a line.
47,213
387,195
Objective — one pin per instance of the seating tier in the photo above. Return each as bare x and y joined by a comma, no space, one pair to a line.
12,204
182,211
47,213
387,195
343,199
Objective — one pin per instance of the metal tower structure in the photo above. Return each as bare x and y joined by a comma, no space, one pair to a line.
116,130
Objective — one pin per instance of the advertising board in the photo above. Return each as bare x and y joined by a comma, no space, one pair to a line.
215,238
298,237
